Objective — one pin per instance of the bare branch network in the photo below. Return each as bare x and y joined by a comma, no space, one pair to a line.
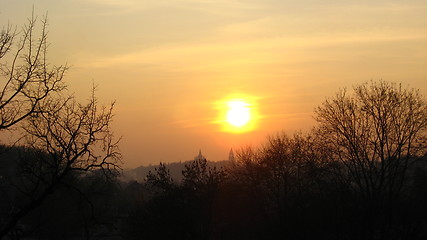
63,137
27,79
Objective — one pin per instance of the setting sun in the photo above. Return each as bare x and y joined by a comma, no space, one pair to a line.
239,113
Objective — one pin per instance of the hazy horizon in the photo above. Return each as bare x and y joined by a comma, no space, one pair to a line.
169,65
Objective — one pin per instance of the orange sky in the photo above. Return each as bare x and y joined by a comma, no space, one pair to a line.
168,63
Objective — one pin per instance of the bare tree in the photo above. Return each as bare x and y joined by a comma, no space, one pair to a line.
63,137
7,34
245,168
66,139
26,77
375,133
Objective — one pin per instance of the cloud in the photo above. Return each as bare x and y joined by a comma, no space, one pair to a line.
258,50
266,36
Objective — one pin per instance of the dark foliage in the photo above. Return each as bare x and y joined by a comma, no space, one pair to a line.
79,206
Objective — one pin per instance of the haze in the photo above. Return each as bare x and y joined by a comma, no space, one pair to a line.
168,63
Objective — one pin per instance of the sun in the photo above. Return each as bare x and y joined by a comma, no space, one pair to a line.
239,113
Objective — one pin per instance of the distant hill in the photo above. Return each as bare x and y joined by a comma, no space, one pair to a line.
138,174
10,157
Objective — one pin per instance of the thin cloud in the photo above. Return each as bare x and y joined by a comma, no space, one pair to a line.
256,50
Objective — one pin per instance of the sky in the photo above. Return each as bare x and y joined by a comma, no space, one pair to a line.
171,66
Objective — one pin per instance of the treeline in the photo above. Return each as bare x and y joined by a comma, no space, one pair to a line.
287,189
140,173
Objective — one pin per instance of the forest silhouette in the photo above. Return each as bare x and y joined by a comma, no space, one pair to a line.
360,173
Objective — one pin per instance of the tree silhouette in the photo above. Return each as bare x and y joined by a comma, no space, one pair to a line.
63,137
161,178
197,175
68,138
375,133
26,77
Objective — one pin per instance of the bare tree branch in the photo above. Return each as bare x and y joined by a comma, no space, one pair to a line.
374,133
25,76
